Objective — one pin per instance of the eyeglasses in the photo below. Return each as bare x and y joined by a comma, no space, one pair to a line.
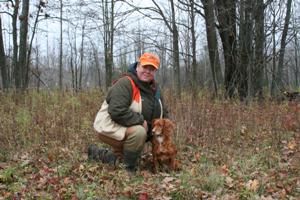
149,68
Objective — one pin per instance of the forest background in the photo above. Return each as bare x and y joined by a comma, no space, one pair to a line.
236,48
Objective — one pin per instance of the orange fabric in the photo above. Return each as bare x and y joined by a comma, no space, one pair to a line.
136,95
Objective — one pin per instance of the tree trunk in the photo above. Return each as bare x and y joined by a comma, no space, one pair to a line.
3,66
108,25
61,48
81,56
194,59
38,73
245,48
175,51
97,65
72,71
279,78
26,82
75,65
226,15
212,42
296,61
258,67
112,31
23,43
163,63
16,67
273,82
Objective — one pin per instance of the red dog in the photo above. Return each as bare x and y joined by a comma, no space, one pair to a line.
163,150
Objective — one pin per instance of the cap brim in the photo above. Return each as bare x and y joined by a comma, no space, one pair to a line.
149,63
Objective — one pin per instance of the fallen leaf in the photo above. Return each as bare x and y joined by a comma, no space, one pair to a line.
229,181
6,194
93,169
51,156
143,196
243,129
292,144
224,169
267,198
81,167
252,185
146,174
127,193
282,194
197,156
168,179
67,181
75,197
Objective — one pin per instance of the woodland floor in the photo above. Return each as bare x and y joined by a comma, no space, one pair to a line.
227,149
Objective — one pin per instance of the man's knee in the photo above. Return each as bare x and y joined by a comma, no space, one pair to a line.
136,138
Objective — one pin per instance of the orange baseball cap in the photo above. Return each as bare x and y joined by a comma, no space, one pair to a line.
149,59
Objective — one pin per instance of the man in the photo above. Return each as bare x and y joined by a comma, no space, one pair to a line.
124,120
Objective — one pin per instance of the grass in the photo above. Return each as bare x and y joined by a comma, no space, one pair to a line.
227,149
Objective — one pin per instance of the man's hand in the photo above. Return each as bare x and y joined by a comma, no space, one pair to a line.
145,125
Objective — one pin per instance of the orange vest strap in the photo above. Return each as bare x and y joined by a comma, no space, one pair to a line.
136,95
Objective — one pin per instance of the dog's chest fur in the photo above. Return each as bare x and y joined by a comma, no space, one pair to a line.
159,143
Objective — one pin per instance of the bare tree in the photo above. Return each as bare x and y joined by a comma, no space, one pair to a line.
172,26
258,67
60,75
81,54
108,38
3,66
23,43
16,66
97,64
296,67
73,60
226,14
279,77
273,34
194,56
212,42
246,49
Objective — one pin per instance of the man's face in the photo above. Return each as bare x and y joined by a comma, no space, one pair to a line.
146,73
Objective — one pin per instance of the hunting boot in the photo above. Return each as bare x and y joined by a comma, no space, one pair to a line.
133,146
130,160
103,155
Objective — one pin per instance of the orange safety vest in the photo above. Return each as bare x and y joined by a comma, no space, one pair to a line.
136,95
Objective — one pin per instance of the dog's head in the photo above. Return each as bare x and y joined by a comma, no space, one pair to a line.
162,127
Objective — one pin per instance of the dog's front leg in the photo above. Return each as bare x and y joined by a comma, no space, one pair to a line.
155,164
172,164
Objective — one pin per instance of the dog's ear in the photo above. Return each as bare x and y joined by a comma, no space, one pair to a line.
154,120
169,125
154,123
